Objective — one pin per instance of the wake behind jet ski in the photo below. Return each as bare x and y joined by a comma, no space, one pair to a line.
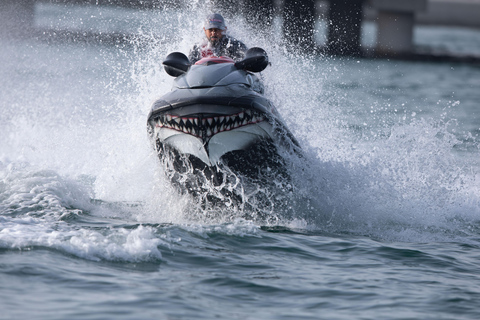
216,124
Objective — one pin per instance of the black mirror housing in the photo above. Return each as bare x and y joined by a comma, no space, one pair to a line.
176,64
256,60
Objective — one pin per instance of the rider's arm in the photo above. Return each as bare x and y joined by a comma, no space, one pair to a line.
194,54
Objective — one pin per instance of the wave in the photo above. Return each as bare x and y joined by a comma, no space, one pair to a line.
76,151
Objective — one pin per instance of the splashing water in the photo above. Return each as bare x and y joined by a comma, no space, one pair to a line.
81,115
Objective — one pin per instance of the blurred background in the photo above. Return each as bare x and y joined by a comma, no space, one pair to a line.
374,28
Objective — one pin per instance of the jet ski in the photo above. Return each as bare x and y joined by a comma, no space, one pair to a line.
215,127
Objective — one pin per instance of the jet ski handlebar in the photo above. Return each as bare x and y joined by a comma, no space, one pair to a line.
256,60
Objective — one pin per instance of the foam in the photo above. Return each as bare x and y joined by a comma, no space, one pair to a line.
387,169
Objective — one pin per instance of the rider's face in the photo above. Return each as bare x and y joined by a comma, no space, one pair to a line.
214,34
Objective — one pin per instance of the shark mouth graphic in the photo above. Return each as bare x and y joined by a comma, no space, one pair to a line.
204,126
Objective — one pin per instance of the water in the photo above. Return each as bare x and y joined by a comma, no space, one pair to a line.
383,223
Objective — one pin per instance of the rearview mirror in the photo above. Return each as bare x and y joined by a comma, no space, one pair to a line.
176,64
256,60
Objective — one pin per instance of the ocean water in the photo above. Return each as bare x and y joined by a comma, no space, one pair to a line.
382,220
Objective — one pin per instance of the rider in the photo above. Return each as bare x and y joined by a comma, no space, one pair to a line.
217,43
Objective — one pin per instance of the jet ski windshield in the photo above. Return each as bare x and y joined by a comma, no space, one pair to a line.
214,60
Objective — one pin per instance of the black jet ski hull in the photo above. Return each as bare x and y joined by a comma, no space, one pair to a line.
214,125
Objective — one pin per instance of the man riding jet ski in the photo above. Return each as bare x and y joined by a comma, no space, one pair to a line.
215,125
216,42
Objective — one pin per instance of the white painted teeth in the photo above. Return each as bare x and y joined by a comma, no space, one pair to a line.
207,127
